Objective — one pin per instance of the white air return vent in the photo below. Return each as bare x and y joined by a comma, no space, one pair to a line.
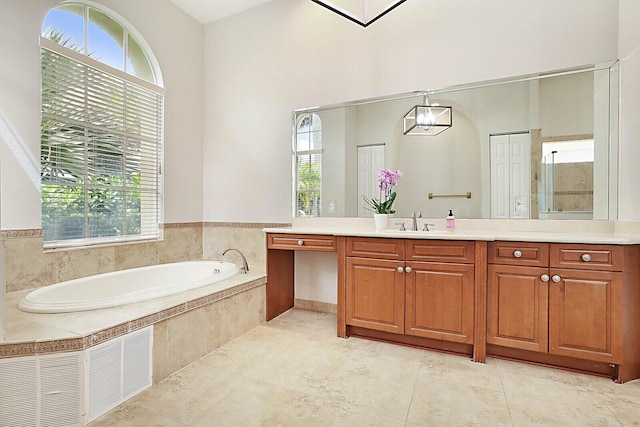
42,391
18,392
118,370
137,367
61,391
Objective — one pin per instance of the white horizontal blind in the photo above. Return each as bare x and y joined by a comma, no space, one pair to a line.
309,172
101,146
309,165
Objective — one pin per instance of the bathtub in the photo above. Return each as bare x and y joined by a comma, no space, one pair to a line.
126,286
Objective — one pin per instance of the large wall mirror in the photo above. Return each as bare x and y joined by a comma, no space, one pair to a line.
539,146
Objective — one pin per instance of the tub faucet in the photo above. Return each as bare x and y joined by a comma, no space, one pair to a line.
245,265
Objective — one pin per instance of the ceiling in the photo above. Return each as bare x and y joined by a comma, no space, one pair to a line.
207,11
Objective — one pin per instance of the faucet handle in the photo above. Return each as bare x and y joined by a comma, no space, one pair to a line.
401,224
426,226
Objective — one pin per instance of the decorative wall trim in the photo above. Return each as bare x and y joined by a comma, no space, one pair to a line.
33,348
38,232
247,224
171,225
16,234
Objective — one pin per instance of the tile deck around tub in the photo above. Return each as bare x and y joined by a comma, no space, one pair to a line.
28,334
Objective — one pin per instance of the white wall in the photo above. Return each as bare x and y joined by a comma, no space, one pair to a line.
176,40
288,54
629,54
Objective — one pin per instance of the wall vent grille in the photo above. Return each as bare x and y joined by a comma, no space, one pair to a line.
42,391
137,369
104,367
118,370
61,391
18,392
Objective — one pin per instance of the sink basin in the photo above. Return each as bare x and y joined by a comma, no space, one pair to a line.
395,230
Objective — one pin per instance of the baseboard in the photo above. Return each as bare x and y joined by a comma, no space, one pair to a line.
322,307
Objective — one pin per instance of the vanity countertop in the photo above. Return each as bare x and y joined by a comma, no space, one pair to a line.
603,232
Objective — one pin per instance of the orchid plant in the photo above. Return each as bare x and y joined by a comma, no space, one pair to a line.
386,181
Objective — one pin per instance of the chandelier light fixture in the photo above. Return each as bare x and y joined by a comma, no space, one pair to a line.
427,119
362,12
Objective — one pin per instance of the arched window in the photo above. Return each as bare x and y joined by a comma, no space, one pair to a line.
101,129
308,165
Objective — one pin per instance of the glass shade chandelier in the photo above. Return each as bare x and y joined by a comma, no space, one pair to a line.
362,12
427,119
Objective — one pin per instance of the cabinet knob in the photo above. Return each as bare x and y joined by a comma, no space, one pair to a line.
586,257
556,278
517,254
544,277
408,270
400,270
300,242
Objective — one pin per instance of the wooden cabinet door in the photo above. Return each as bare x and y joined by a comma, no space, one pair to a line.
585,315
375,294
517,307
439,301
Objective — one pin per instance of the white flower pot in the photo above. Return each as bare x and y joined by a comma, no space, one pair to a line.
380,220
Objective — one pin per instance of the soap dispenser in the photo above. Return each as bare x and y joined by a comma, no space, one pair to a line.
451,220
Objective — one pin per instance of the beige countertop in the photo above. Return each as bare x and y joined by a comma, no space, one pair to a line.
560,231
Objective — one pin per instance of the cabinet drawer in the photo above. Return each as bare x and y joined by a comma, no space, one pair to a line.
441,251
518,253
301,242
370,247
587,257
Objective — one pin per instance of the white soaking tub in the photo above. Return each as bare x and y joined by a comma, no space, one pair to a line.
126,286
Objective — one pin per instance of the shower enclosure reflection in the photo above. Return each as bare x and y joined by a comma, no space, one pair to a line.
566,180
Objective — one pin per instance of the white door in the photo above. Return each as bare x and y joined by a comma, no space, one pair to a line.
510,175
371,159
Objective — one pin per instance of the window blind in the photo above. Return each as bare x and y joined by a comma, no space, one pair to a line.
309,178
101,152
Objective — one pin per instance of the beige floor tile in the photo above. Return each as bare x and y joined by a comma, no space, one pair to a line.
381,382
526,411
129,415
181,399
461,369
525,381
336,412
439,402
294,371
226,414
308,366
271,404
622,399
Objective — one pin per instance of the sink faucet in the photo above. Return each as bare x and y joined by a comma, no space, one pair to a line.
245,265
414,220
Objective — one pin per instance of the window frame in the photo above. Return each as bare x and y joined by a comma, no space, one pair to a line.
310,154
157,144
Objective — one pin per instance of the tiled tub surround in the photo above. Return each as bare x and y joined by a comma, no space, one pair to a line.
27,265
244,236
186,326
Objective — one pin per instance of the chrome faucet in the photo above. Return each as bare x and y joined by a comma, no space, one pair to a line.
245,265
414,220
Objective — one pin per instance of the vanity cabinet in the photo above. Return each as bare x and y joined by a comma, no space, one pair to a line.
559,299
569,305
281,249
420,288
375,284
